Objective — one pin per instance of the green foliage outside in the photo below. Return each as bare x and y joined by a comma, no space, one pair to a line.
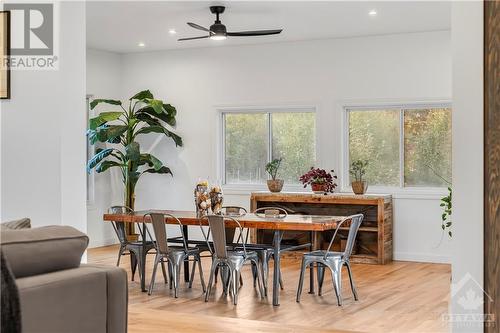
427,147
246,145
294,140
374,136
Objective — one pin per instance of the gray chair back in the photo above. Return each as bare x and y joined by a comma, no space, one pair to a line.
276,212
217,228
351,237
219,237
119,227
232,211
272,212
158,220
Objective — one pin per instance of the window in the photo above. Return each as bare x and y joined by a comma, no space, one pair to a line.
405,146
252,139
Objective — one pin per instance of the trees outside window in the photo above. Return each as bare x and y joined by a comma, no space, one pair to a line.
252,139
405,147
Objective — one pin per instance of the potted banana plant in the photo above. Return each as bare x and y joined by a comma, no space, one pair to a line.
143,115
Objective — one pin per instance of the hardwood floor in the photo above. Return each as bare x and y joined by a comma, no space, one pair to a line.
398,297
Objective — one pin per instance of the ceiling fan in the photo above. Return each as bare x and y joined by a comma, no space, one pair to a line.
218,30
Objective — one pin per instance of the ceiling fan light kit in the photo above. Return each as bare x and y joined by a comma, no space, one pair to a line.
218,30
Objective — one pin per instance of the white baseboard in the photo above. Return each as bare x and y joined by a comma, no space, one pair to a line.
419,257
102,242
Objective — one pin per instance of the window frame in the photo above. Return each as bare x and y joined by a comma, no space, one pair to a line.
244,188
401,106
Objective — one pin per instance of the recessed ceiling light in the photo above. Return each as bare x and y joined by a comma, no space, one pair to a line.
372,12
172,31
141,44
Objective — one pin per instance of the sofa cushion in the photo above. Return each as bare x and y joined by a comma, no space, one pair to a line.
42,250
24,223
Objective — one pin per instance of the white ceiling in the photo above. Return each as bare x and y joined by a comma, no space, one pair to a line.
119,26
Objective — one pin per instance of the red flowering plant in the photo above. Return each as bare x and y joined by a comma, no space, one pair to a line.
317,176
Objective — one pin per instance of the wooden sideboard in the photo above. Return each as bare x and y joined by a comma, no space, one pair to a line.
374,240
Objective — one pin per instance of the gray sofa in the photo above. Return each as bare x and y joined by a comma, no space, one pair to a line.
56,293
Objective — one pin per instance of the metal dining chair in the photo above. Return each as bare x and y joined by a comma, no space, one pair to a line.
173,255
224,255
228,211
134,249
333,260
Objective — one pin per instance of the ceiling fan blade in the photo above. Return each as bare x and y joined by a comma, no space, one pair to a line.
190,38
197,26
255,33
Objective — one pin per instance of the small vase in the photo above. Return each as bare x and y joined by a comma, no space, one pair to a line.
275,185
359,187
318,188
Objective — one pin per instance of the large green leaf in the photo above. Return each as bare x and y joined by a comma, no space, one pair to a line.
145,94
160,129
169,118
163,170
92,136
171,110
95,102
98,158
103,118
151,161
133,151
142,116
156,104
105,165
110,133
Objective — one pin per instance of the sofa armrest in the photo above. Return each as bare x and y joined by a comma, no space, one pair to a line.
86,299
117,297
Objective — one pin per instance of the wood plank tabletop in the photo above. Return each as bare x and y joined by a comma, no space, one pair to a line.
250,220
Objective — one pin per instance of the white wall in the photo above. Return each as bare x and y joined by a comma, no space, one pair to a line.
42,134
467,50
103,81
324,73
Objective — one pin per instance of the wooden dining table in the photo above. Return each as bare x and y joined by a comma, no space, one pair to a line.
279,225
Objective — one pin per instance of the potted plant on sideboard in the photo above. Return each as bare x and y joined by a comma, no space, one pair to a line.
273,184
358,170
320,180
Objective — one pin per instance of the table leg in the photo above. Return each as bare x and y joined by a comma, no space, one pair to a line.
276,275
141,261
186,262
